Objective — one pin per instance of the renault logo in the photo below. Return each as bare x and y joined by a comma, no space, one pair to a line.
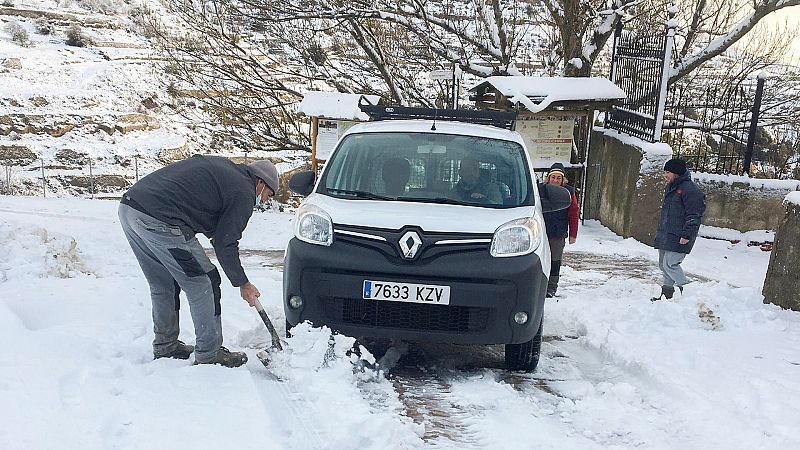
410,244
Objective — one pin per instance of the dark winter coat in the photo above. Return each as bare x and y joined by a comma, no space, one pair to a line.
202,194
563,223
681,213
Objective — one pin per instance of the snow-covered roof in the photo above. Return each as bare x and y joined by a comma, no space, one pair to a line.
334,105
546,90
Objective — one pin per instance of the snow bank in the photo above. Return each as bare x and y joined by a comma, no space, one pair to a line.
729,234
33,251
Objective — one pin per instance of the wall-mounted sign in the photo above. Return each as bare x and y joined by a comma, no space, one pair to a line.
328,134
548,139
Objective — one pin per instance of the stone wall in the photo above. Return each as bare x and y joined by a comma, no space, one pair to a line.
782,285
625,189
625,184
743,204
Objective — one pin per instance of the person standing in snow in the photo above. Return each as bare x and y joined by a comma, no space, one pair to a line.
678,225
560,225
162,213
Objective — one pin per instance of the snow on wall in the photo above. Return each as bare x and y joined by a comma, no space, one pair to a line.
756,183
793,198
730,234
654,155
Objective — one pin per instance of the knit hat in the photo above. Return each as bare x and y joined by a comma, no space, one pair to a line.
676,166
265,170
557,168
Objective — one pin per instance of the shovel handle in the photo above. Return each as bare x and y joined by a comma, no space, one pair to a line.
276,340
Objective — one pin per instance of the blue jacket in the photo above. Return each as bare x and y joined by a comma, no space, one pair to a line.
681,213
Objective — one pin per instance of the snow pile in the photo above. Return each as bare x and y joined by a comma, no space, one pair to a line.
33,251
654,155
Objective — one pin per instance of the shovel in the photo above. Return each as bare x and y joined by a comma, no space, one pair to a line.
276,340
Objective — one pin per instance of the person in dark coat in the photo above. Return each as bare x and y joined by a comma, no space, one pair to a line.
560,225
678,225
160,216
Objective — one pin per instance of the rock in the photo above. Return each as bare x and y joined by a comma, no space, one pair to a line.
69,156
149,103
16,155
102,183
169,155
39,102
136,122
12,63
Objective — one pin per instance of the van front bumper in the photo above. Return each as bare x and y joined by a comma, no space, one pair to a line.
485,292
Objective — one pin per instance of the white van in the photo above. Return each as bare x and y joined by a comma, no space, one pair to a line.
424,230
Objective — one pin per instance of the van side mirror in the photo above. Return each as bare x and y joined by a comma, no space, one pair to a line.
554,198
302,183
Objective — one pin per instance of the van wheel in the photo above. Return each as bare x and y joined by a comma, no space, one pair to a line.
525,356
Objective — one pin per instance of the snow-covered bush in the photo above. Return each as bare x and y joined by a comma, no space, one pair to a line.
8,3
18,34
43,26
75,36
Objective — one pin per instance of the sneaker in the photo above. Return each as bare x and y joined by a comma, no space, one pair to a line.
227,358
181,351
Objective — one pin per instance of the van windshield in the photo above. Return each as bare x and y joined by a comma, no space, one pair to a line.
429,168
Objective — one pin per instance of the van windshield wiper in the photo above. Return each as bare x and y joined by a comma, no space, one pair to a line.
360,194
442,200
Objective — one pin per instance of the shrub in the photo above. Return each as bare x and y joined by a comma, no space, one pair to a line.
43,26
8,3
75,37
18,33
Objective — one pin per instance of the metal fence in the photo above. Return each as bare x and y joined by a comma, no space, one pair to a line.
714,127
638,66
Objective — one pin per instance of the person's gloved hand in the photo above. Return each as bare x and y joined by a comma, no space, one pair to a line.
250,293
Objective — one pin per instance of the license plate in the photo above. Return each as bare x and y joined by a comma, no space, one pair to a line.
406,292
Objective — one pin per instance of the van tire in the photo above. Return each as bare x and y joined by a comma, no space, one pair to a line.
525,356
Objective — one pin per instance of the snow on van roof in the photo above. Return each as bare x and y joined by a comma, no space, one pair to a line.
334,105
546,90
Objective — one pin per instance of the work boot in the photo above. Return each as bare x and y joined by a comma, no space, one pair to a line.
666,291
226,358
181,351
552,286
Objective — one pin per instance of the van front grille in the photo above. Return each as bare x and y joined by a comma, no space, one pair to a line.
409,316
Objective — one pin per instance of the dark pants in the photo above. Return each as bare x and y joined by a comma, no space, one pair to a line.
172,262
556,253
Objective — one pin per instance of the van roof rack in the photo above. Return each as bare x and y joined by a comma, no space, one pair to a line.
500,119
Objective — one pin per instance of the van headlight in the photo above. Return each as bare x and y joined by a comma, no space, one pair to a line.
515,238
313,225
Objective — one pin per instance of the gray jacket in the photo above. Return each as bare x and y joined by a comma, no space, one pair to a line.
203,194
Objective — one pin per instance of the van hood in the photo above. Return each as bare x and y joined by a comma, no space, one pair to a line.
428,216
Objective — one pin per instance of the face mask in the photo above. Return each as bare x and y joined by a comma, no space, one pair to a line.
258,197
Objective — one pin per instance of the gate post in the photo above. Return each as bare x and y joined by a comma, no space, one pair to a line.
662,95
751,135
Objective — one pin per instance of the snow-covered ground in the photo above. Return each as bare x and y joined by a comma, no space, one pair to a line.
714,369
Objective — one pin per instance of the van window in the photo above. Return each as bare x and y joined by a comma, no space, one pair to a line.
429,167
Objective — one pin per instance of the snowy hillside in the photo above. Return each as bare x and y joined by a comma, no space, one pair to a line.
81,93
714,369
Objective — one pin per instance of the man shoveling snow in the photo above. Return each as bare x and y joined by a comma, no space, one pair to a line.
162,213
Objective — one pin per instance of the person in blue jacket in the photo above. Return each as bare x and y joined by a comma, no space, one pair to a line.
678,225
